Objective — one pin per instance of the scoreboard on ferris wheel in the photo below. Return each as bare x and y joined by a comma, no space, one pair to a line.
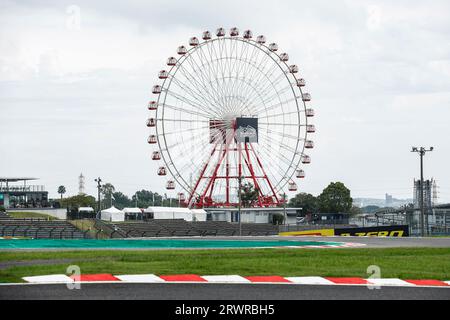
247,130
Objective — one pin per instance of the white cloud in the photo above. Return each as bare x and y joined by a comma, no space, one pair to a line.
73,99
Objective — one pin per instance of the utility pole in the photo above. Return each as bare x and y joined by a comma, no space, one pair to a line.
284,209
421,151
98,180
239,205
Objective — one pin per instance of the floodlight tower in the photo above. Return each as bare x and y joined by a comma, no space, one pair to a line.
99,186
421,151
81,184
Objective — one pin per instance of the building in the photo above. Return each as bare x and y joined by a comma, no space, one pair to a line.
17,193
388,200
442,215
252,215
427,195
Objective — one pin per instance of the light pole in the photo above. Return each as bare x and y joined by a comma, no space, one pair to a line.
98,180
239,205
421,151
284,209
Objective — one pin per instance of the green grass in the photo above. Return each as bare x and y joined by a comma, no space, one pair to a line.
404,263
88,225
21,215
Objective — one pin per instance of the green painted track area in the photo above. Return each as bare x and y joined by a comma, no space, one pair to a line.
153,244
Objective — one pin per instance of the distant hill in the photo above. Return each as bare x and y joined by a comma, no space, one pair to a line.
395,203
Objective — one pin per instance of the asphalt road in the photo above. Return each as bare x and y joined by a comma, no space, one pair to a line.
384,242
370,242
196,291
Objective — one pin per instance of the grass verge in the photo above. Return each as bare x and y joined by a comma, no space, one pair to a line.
21,215
403,263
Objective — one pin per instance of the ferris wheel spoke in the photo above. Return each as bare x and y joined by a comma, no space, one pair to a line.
259,67
247,69
261,76
186,100
212,69
191,79
185,120
272,82
211,51
277,105
283,146
221,61
278,124
204,89
209,68
168,133
284,135
278,91
200,102
269,156
183,110
201,85
277,94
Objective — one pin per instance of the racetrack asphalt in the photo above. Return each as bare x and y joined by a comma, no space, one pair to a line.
209,291
369,242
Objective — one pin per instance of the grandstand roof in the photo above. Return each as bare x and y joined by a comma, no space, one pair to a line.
132,210
15,179
167,209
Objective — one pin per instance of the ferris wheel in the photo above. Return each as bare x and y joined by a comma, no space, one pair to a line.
230,110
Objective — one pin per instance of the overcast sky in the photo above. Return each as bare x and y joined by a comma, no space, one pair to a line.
75,77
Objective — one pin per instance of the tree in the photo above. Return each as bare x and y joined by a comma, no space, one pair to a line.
355,210
61,191
121,200
306,201
107,190
145,199
370,209
335,198
277,218
249,195
81,200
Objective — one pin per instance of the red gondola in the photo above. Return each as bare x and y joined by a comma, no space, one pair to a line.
162,171
310,128
193,42
284,57
151,122
156,155
171,61
292,186
151,139
309,112
301,82
261,39
170,185
309,144
300,173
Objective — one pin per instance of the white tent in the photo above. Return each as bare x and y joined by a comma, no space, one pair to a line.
198,214
85,209
112,214
170,213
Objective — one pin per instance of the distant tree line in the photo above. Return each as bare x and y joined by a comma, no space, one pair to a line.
110,196
335,198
